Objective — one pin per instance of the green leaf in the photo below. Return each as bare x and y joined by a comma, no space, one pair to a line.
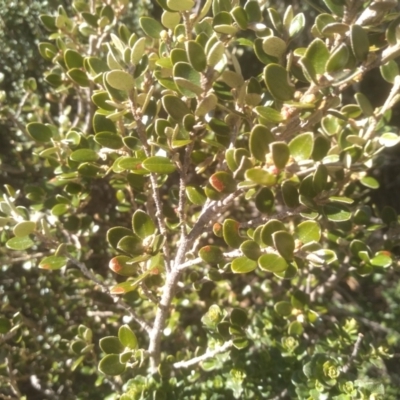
151,27
273,225
260,138
243,265
269,114
322,257
120,80
131,245
53,262
123,265
180,5
389,139
251,249
175,107
389,71
5,325
283,308
274,46
196,195
338,59
280,154
159,165
382,259
211,254
214,55
109,140
359,42
110,365
79,77
308,231
207,104
196,55
290,194
24,228
265,200
272,263
297,25
127,337
84,155
231,233
115,234
223,182
39,132
277,80
320,178
73,59
369,182
295,328
284,243
336,213
240,17
301,146
19,243
318,54
187,79
111,345
170,19
260,176
142,224
364,104
238,317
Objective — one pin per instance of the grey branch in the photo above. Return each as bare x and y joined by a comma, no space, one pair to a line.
205,356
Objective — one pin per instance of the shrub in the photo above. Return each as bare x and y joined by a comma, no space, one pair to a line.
233,211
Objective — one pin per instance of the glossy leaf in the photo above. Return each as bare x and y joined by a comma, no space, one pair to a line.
223,182
259,141
290,194
231,233
84,155
308,231
359,42
158,164
151,27
127,337
243,265
24,228
39,132
260,176
283,308
277,81
250,249
111,345
301,146
280,154
53,262
142,225
196,195
272,263
196,55
120,80
211,254
110,365
265,200
284,243
180,5
109,140
19,243
123,265
272,226
317,54
175,107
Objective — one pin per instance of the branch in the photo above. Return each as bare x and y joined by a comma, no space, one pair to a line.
205,356
89,274
356,350
198,260
141,129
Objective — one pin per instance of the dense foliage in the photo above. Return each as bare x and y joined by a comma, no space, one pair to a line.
186,207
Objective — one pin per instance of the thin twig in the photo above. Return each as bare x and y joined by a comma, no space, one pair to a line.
205,356
118,300
356,350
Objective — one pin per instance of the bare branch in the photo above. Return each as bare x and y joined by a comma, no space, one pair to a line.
356,350
205,356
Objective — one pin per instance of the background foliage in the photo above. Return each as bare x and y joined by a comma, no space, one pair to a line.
69,180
